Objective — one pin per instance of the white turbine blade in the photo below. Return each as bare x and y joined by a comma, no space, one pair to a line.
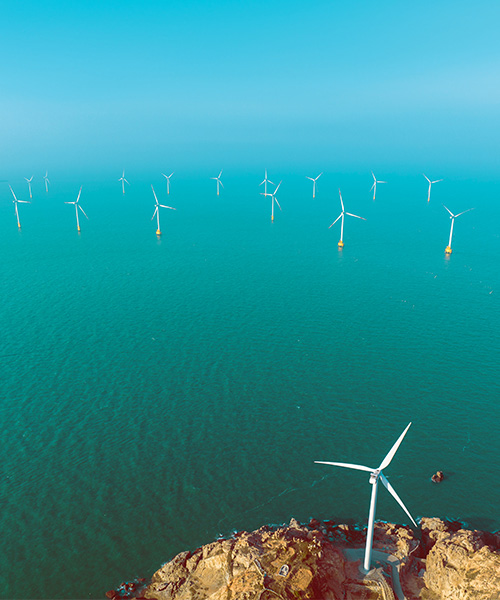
164,176
357,217
372,187
426,177
125,180
309,178
392,491
82,210
436,181
276,200
24,201
463,212
269,181
171,174
381,181
265,194
220,174
374,178
346,465
385,463
15,199
79,195
341,201
154,214
221,183
319,176
336,220
154,194
277,188
69,202
164,206
449,211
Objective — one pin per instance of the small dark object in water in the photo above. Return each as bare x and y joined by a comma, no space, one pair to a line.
438,477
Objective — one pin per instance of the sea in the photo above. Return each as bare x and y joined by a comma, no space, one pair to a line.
160,392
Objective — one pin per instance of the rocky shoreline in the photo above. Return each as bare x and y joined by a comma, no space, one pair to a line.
321,560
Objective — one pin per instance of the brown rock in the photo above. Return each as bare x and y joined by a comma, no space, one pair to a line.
438,477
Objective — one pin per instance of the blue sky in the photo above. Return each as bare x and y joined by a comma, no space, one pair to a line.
342,85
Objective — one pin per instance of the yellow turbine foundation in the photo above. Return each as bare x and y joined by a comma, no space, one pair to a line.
448,250
272,218
78,228
341,244
158,232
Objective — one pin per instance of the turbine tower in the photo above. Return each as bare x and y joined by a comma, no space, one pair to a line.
273,200
16,201
314,180
167,177
29,184
375,475
341,242
448,249
77,206
157,211
124,181
374,186
430,185
217,179
265,182
46,179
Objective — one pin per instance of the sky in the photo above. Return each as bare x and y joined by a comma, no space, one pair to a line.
328,84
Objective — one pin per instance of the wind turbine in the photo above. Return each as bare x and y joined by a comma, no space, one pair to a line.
341,242
273,200
16,201
453,217
375,475
29,184
265,182
157,211
430,185
46,178
77,206
123,180
374,186
314,180
167,177
217,179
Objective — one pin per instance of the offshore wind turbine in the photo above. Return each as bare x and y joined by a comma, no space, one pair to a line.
29,184
265,182
77,206
375,475
374,186
157,211
341,242
123,180
430,185
46,179
217,179
273,200
453,217
16,201
314,180
167,177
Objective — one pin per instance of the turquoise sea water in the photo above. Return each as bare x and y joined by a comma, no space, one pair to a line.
156,393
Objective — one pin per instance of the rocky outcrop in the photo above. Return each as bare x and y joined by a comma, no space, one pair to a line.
441,561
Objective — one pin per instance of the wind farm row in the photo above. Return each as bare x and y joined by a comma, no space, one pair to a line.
266,182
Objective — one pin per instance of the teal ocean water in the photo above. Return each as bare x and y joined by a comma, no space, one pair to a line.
158,392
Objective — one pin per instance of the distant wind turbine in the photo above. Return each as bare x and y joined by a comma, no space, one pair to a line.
375,475
46,179
124,181
453,217
314,180
374,186
273,200
16,201
265,182
430,185
167,177
341,216
217,179
29,185
157,211
77,206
